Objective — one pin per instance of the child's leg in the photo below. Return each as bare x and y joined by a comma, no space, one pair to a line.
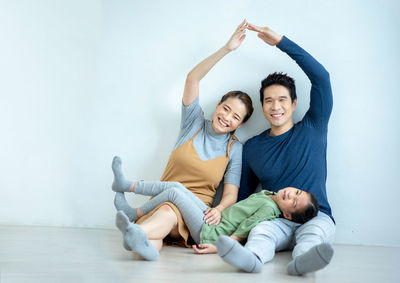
190,206
152,189
120,203
120,184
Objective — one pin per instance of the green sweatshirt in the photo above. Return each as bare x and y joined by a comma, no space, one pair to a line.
241,217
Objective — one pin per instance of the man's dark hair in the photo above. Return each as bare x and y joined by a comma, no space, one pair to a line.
310,212
278,79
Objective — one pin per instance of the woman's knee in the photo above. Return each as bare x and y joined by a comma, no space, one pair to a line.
165,208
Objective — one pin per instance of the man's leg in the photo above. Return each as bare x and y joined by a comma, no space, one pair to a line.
313,250
264,239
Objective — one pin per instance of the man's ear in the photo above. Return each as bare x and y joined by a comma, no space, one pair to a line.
241,124
294,104
288,216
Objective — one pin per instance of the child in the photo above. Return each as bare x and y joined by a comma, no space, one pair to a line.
237,221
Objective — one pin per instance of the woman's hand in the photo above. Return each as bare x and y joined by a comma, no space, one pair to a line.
237,37
266,34
212,216
205,249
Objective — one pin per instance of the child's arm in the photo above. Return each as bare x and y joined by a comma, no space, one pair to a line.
210,248
204,249
263,213
236,238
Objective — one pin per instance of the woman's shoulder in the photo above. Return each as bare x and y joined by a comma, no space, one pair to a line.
237,146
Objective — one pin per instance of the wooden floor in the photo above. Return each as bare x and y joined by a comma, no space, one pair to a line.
44,254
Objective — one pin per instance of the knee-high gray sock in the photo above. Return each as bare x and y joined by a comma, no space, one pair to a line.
316,258
120,184
135,238
232,252
121,204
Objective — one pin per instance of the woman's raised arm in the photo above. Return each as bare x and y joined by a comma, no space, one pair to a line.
194,77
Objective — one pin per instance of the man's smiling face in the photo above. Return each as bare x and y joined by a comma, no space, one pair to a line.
278,108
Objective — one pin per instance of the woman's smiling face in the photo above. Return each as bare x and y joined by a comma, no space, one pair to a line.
228,116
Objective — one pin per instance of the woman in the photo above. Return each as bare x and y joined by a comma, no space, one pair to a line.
206,152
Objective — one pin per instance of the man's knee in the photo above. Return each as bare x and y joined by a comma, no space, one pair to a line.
320,229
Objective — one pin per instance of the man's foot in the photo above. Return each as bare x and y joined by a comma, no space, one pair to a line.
315,259
120,184
135,238
232,252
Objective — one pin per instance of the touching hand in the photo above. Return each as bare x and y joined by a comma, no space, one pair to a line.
266,34
212,216
204,249
237,37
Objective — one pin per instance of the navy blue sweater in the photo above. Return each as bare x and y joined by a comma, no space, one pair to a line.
296,158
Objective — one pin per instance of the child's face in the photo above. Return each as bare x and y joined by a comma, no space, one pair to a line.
291,200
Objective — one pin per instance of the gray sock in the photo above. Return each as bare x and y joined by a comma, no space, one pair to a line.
121,204
316,258
120,184
135,238
232,252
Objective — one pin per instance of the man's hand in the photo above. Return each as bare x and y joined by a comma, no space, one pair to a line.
268,35
205,249
237,37
212,216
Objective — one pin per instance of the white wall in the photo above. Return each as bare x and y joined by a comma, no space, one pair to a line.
81,81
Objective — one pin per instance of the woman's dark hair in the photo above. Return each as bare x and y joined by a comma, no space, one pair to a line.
310,212
278,79
244,97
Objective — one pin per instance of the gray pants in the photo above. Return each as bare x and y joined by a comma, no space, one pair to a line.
190,206
281,234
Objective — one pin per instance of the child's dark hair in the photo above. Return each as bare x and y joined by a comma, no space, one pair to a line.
310,212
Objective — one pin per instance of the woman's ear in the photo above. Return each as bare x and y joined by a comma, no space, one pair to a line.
287,216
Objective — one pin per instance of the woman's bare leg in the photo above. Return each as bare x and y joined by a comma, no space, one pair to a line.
162,223
157,244
135,239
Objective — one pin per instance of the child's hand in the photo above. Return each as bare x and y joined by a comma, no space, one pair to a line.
204,249
236,238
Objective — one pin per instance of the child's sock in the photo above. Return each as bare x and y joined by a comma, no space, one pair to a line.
316,258
235,254
135,238
120,184
121,204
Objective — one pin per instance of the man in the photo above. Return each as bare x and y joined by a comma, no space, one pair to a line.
286,155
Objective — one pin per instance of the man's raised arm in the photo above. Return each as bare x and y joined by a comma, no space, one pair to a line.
321,93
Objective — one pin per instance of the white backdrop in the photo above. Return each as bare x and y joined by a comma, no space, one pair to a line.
82,81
